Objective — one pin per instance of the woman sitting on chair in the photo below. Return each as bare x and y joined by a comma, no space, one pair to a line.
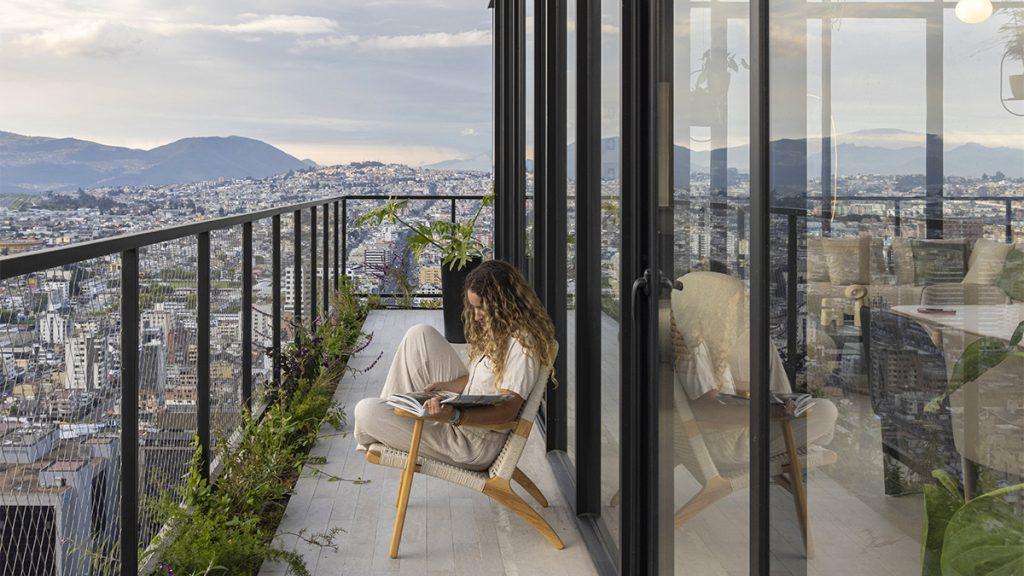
511,339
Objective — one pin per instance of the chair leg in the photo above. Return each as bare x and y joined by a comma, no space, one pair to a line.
523,480
796,481
713,490
405,487
500,490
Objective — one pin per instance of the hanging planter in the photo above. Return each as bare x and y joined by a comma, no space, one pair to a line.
1013,34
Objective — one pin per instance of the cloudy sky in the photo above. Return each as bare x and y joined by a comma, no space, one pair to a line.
406,81
410,80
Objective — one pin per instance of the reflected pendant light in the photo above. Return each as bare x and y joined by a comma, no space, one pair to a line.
973,11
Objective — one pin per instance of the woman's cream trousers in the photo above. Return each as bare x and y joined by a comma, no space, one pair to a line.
424,357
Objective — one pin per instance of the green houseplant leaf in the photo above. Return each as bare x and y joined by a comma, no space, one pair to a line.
985,537
979,357
941,502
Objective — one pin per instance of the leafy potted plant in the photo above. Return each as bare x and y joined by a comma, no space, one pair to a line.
1013,33
981,536
711,88
461,252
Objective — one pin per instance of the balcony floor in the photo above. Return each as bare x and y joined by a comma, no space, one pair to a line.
448,529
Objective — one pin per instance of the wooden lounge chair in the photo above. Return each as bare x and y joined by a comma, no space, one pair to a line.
495,482
691,450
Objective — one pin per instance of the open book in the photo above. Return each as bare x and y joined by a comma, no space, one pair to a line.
803,401
413,402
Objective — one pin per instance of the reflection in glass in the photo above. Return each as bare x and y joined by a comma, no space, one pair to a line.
895,171
611,234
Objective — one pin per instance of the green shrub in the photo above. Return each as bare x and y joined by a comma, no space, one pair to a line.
227,527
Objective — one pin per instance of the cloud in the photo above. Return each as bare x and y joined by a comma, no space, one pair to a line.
94,38
108,38
278,24
470,38
469,132
425,41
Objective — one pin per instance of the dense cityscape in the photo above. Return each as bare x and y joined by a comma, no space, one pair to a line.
59,358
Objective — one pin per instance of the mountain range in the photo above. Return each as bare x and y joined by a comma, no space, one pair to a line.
33,164
878,152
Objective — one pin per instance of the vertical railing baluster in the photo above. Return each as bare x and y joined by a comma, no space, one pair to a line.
297,277
326,268
275,305
312,268
336,234
247,316
344,236
792,279
453,210
203,353
1008,203
129,542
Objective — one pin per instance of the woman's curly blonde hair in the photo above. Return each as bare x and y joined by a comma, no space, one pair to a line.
511,310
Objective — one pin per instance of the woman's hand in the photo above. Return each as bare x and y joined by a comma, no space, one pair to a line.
437,410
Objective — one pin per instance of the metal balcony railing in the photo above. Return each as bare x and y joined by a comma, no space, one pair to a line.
84,440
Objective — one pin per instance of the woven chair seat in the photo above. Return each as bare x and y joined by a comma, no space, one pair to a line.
395,458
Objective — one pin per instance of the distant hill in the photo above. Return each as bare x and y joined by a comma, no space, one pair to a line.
480,162
32,164
885,153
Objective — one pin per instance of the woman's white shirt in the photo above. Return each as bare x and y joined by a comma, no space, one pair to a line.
521,373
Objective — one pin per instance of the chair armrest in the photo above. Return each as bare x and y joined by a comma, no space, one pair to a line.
858,293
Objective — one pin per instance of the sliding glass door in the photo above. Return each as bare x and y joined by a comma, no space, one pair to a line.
843,233
703,325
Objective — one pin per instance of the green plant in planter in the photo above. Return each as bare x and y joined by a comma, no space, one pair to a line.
1013,36
456,240
979,537
983,536
227,527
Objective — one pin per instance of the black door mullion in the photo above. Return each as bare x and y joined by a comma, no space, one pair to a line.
759,286
588,257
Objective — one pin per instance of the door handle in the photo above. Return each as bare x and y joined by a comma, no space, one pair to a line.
644,282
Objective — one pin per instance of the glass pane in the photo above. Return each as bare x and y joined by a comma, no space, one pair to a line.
611,241
530,154
896,168
705,324
570,206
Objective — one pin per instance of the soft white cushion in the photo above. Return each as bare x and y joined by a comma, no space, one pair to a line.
986,262
849,260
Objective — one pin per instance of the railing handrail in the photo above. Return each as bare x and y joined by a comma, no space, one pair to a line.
14,265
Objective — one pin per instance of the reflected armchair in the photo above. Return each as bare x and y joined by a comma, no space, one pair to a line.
707,296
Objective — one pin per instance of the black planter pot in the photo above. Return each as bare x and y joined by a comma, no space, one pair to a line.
452,283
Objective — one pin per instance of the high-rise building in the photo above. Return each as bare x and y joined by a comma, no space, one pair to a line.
53,328
58,502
